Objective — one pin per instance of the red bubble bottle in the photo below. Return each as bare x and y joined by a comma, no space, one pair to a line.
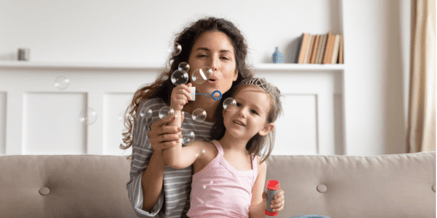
272,189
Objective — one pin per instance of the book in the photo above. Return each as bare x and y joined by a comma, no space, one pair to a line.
307,51
303,47
335,49
294,49
340,56
327,47
316,45
321,49
330,49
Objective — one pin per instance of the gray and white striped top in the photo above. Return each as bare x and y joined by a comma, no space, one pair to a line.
177,183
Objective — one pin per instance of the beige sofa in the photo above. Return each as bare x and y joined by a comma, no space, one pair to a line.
401,185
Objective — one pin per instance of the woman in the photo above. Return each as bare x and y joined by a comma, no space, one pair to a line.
211,42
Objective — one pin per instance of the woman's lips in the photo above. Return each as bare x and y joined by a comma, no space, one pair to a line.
212,80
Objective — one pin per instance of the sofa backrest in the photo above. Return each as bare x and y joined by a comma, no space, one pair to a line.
64,186
395,185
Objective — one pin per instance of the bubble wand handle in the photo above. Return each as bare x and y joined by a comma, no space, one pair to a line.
193,94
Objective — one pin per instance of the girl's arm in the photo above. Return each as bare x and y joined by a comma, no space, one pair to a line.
179,97
258,205
182,157
259,197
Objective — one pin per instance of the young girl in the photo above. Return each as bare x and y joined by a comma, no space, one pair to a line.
229,178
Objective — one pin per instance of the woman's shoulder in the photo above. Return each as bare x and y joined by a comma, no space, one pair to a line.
152,102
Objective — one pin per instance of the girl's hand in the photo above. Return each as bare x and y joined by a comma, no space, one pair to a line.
180,96
161,136
277,204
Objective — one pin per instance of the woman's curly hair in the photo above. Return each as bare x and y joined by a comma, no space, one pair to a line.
162,87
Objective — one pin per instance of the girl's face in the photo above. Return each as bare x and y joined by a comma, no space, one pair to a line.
249,117
214,49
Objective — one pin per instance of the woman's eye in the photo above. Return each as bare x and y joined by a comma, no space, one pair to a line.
238,104
226,58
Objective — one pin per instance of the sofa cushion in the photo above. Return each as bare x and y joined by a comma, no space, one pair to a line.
395,185
64,186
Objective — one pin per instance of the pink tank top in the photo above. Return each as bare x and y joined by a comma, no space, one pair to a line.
219,190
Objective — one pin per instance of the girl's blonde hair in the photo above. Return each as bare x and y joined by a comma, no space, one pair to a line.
257,143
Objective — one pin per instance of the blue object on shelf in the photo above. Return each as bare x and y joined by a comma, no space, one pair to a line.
278,57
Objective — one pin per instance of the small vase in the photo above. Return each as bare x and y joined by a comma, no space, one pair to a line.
278,57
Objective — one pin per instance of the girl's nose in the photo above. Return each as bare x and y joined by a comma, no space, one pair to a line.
242,112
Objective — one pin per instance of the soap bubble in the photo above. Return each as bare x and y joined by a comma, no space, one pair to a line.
88,116
229,103
187,136
62,82
199,114
179,77
165,111
201,75
121,116
184,66
177,49
146,113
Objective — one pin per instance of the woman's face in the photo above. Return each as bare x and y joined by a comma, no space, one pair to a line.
214,50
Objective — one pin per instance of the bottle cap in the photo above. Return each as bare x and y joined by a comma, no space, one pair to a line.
273,184
268,213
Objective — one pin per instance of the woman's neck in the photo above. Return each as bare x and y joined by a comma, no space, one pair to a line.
207,104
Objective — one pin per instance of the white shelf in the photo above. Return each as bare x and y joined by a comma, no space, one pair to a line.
142,66
72,65
303,67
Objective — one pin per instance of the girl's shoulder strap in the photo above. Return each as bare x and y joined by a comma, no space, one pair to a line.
218,146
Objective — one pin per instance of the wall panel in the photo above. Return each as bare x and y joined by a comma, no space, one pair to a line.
51,123
2,123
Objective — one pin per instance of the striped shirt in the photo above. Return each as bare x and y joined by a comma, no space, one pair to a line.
177,183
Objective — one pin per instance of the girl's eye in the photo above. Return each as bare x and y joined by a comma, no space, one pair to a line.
202,55
226,58
238,104
254,112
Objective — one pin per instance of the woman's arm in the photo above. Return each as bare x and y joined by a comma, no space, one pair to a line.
151,182
147,167
160,137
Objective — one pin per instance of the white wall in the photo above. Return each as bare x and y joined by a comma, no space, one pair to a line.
377,57
376,49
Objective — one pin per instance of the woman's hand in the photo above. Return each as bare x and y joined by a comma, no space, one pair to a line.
180,96
162,137
277,204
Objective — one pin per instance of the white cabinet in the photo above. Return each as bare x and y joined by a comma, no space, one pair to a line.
38,118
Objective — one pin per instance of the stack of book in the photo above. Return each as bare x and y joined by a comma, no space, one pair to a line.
321,49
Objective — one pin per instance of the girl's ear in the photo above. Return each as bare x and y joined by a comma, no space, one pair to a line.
267,129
